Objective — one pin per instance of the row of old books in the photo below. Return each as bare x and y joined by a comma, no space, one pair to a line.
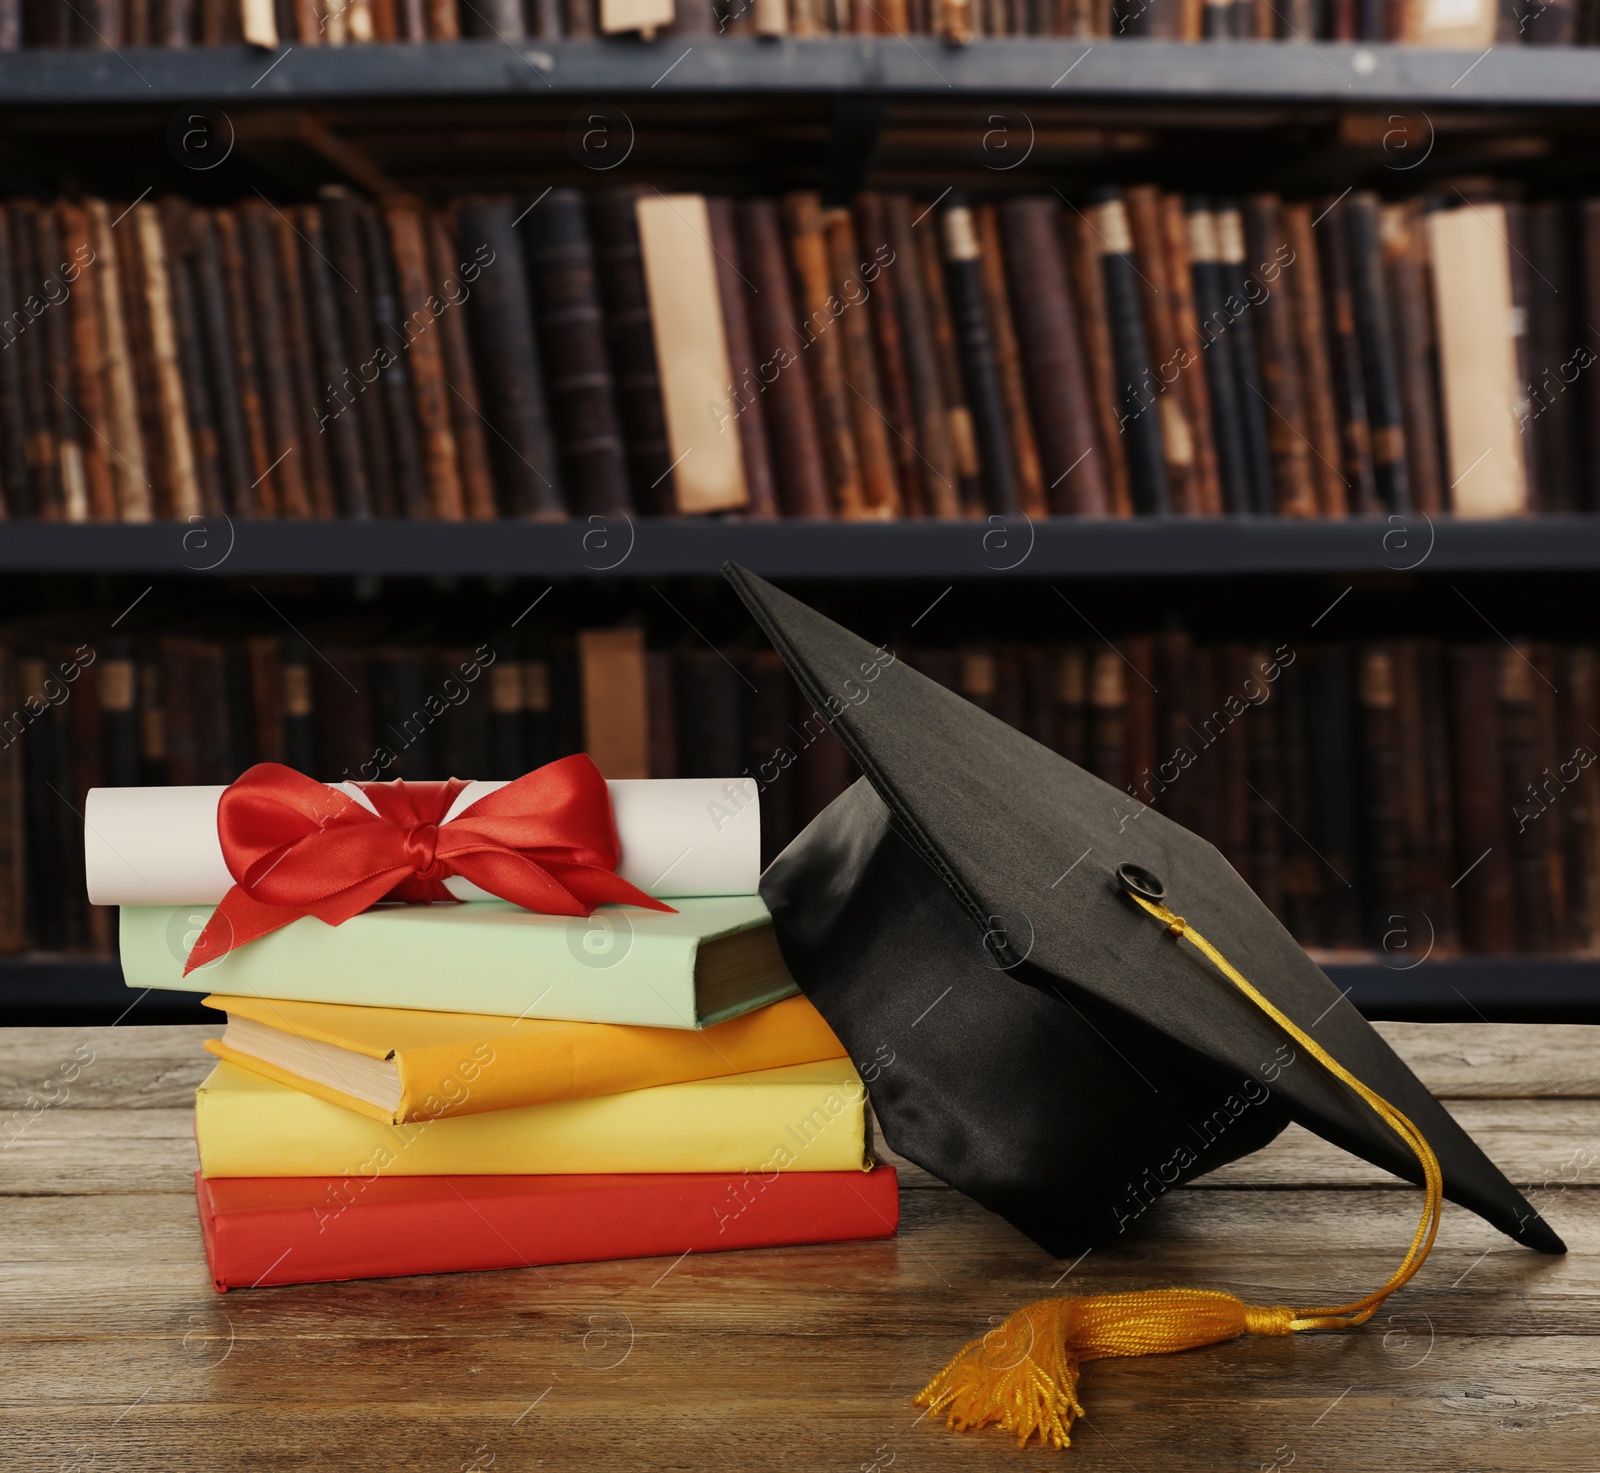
629,351
431,1088
111,23
1346,782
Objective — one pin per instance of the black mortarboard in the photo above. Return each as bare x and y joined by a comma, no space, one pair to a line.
1027,1032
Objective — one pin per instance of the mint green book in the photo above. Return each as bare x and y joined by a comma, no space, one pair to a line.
714,959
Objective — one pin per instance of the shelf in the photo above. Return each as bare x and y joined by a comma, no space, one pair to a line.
1059,70
51,990
1477,989
652,548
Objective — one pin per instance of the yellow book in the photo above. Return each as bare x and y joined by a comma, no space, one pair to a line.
397,1064
807,1117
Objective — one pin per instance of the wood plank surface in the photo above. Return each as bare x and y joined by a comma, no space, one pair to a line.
116,1353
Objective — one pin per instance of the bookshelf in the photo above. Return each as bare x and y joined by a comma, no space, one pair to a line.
826,111
1343,74
645,547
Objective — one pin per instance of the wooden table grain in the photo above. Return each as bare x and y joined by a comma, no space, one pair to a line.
116,1353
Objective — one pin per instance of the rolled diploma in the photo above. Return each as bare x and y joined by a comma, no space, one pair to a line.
680,836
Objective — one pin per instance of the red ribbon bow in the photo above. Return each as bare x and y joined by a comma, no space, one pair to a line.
296,847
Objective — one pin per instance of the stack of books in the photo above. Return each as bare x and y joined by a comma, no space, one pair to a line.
432,1088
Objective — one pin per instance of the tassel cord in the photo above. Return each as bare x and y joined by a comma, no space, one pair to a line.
1024,1375
1358,1311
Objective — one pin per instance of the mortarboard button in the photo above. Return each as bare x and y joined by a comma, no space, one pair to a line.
1138,879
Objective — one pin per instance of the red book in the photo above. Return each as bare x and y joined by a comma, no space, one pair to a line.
261,1231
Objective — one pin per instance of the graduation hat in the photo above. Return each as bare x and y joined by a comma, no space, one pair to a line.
1064,1004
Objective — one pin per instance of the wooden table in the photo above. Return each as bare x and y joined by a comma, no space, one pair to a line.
116,1353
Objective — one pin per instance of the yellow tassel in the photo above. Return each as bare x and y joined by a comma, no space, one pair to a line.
1024,1374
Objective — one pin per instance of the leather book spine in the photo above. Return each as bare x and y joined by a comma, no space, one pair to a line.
878,271
1138,420
1263,730
266,696
500,316
197,384
822,341
958,414
1142,204
443,23
1524,306
174,21
1529,800
630,341
422,347
44,472
297,339
1303,281
1106,746
1008,360
336,421
1287,442
299,737
571,330
66,427
769,740
411,489
1306,876
1046,318
1350,393
1239,300
460,379
548,22
1429,821
616,703
258,497
1553,339
938,476
1405,263
579,16
1343,22
285,482
1190,351
1577,678
507,752
1589,412
1383,778
1380,364
1334,756
176,443
499,19
733,288
1083,257
785,389
1548,23
146,379
20,491
13,819
211,300
342,694
980,369
122,395
663,716
88,360
355,385
1210,296
213,25
11,25
880,484
706,698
